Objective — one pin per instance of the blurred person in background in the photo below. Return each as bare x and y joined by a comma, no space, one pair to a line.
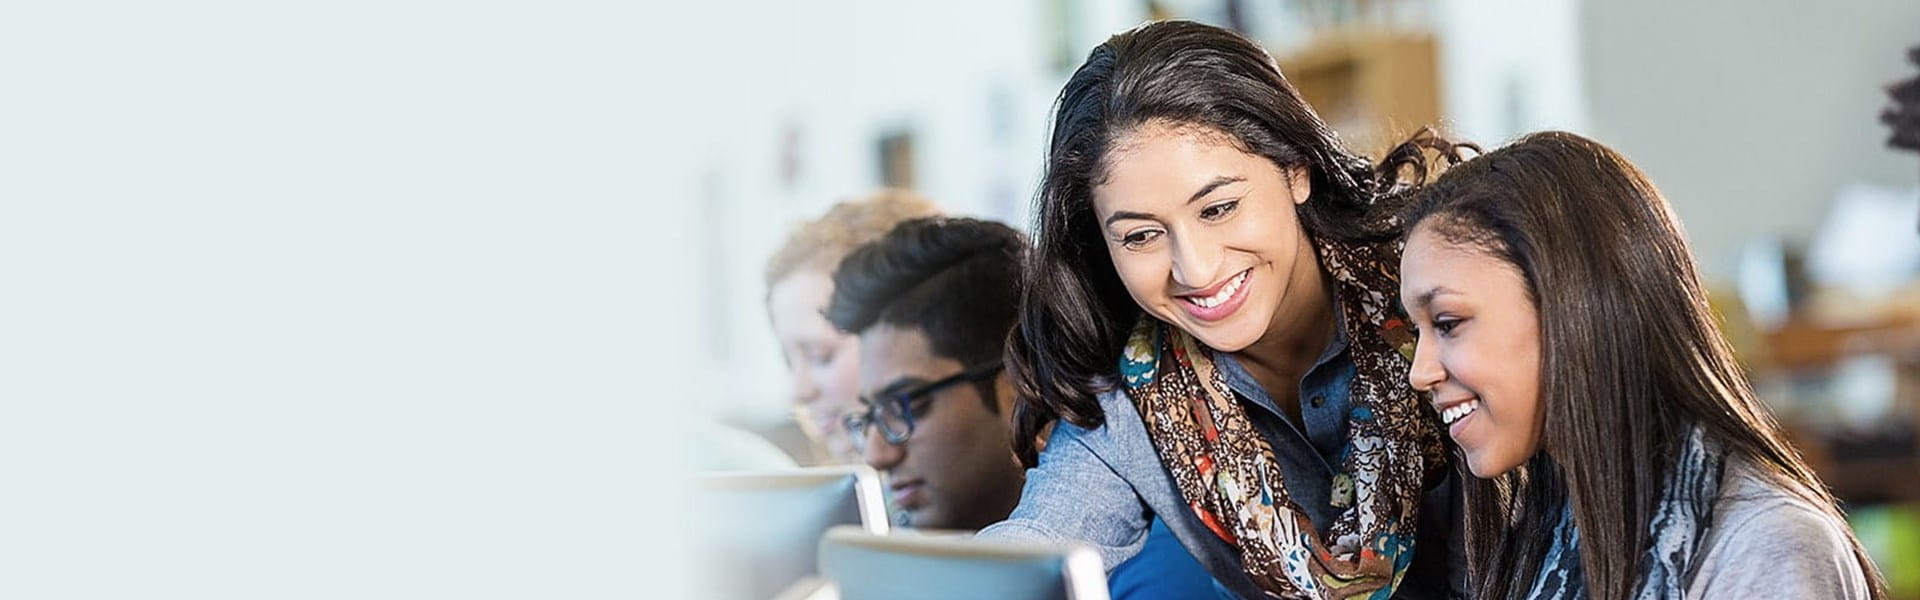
932,303
822,362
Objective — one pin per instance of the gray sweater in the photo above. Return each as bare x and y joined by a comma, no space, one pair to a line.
1766,542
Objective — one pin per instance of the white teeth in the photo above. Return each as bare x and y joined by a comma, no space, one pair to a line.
1459,411
1226,292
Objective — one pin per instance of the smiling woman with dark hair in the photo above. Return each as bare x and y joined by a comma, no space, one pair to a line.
1618,449
1211,327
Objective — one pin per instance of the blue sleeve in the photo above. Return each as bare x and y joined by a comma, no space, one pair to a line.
1162,569
1073,495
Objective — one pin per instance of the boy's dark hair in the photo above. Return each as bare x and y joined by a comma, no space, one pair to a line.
957,280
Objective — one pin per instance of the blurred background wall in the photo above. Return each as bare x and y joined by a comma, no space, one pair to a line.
1750,116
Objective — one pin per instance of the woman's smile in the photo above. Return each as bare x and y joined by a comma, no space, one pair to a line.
1220,300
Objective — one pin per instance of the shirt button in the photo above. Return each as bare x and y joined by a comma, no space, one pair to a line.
1319,400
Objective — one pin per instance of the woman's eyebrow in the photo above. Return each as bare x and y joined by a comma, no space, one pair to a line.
1213,185
1425,299
1122,215
1216,183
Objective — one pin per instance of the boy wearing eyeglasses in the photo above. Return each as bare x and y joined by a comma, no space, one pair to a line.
933,302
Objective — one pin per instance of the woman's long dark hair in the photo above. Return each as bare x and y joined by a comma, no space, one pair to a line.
1631,360
1076,313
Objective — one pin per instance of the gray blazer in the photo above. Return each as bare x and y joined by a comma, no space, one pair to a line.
1102,487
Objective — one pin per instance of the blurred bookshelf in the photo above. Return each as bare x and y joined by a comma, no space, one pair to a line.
1845,384
1373,85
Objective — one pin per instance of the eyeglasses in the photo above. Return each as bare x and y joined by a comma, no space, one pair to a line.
893,411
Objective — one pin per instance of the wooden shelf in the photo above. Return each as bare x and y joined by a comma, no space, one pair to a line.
1374,87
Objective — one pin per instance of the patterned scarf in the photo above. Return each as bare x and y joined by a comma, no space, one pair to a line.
1227,472
1678,527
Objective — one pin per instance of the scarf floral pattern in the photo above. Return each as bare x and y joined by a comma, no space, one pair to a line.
1227,473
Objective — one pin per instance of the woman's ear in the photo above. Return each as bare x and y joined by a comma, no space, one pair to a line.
1046,433
1299,183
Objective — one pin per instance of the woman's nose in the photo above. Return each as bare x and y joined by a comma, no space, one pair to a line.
801,388
1196,262
1426,371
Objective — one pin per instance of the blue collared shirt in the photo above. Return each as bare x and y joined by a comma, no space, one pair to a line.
1308,459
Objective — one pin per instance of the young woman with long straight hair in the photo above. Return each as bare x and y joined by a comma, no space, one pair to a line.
1617,447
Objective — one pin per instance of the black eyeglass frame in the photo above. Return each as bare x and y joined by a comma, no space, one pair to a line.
902,402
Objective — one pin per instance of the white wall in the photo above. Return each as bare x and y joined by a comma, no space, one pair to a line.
1749,115
1508,67
339,300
